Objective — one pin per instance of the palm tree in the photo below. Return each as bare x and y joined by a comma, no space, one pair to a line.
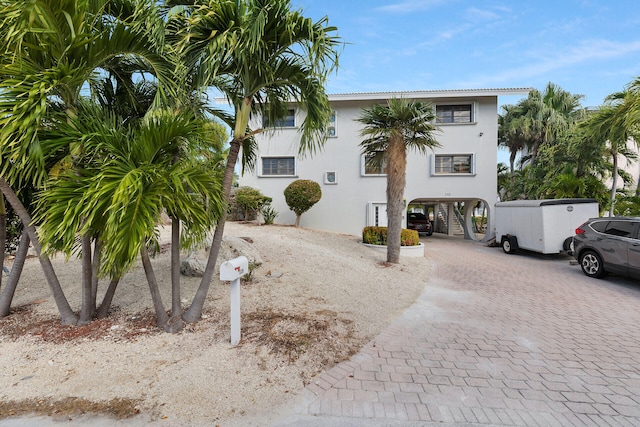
51,49
390,131
608,125
510,135
118,197
544,116
263,56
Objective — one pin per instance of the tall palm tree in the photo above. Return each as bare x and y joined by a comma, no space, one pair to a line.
543,116
389,131
264,57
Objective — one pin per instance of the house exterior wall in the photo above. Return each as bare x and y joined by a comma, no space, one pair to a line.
345,205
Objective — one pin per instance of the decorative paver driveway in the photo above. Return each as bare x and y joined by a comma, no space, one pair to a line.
496,339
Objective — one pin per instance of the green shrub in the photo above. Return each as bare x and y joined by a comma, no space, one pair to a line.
378,236
251,201
301,195
269,214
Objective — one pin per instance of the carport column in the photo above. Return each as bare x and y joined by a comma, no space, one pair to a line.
450,215
469,206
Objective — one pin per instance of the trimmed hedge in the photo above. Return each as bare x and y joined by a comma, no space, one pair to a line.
378,236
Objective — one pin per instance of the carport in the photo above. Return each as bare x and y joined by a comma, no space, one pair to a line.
471,218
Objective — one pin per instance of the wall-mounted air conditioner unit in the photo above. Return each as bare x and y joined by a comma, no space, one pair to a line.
330,178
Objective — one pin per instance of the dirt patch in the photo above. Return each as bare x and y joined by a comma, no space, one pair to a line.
67,409
293,334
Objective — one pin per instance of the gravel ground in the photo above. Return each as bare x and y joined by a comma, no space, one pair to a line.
317,298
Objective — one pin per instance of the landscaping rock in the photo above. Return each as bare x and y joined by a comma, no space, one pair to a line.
232,247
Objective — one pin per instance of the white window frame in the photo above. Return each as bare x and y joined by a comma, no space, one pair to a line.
363,168
473,106
284,120
472,165
265,175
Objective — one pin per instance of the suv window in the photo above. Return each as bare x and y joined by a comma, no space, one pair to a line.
621,228
599,226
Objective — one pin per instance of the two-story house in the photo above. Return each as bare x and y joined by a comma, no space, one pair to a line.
463,169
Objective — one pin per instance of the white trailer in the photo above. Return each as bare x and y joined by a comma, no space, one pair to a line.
546,226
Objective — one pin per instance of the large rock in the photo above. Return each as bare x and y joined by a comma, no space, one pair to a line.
232,247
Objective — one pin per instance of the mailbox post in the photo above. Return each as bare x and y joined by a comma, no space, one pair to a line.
231,271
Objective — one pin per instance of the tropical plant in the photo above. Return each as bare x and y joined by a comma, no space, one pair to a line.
389,131
539,119
609,125
251,201
142,171
53,50
268,213
263,56
301,195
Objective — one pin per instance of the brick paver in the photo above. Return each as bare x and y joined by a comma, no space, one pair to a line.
517,340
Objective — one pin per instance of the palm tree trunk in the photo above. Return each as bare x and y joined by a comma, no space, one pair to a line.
195,310
3,234
175,323
67,315
86,312
103,311
16,270
95,268
161,312
396,179
614,183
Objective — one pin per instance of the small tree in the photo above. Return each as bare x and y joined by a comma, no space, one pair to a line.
301,195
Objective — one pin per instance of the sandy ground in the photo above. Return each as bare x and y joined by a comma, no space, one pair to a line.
317,298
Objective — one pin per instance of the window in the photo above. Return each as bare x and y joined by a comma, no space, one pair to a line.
368,167
454,113
453,164
288,122
621,228
332,129
278,166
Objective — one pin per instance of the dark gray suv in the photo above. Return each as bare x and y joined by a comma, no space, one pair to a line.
608,245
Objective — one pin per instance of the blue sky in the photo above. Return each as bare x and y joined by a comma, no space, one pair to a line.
588,47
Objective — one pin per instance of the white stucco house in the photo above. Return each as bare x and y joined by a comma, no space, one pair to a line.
463,169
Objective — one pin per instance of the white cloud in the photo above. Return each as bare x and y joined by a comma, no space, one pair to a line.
541,62
409,6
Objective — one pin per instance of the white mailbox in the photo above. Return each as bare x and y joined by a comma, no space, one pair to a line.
234,269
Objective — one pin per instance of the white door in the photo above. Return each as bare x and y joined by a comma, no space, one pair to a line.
377,214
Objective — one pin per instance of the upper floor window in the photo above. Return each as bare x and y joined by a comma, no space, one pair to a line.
461,113
445,164
278,166
369,167
287,122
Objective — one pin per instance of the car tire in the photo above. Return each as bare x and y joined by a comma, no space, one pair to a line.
591,264
509,244
429,233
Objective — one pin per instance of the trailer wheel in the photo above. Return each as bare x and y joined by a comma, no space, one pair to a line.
567,245
509,244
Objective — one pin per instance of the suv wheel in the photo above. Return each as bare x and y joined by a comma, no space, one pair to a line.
591,264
